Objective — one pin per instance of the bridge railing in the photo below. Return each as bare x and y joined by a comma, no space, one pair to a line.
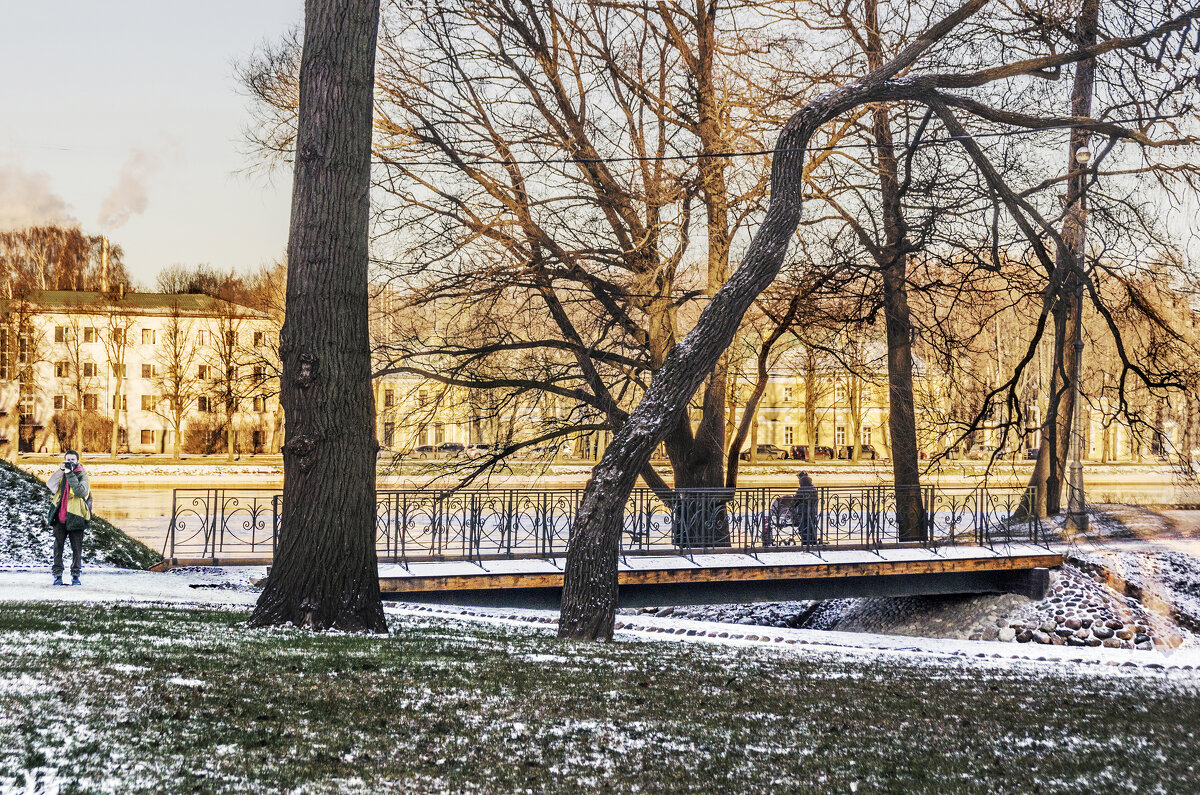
414,524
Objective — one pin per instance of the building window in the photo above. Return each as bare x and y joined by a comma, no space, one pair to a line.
389,398
787,394
147,336
61,369
60,402
62,333
789,434
839,436
118,370
260,373
122,404
389,433
90,401
204,404
89,369
866,434
202,372
839,394
439,433
232,372
3,354
149,402
422,397
260,404
24,344
260,339
147,371
201,337
89,334
27,405
230,339
147,437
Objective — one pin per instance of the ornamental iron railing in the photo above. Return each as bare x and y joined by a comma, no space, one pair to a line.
415,525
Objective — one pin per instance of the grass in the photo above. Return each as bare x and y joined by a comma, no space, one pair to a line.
137,699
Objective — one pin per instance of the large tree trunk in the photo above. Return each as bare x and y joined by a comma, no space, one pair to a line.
902,418
326,572
1050,470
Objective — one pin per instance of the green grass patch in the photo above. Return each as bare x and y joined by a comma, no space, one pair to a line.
136,699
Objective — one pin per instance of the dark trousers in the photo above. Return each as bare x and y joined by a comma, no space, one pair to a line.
61,534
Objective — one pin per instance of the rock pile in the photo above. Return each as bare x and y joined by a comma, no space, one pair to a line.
1080,610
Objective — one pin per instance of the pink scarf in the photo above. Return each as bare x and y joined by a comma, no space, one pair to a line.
66,495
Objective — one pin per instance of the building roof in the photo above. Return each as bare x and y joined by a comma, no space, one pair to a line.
144,303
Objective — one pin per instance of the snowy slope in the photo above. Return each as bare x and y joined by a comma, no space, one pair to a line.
26,541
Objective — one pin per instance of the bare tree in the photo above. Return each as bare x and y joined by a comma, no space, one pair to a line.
175,374
116,337
589,591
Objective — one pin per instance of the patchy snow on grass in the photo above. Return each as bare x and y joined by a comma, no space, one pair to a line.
186,682
23,685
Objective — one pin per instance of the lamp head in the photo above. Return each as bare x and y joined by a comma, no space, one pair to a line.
1083,155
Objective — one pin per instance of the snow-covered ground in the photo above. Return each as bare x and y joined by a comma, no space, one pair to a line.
230,586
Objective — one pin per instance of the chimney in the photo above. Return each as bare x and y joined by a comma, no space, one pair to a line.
104,263
121,291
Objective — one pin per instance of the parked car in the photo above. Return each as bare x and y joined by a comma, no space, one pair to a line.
768,451
866,452
424,451
476,450
1031,453
451,449
803,452
985,452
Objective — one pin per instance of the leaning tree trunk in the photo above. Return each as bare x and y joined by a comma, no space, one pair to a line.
589,599
1044,497
326,571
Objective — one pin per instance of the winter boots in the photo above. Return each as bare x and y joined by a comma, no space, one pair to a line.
58,579
75,580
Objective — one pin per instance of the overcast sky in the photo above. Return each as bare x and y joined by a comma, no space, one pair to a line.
124,116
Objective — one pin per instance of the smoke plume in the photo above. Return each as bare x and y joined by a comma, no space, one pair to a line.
129,197
26,199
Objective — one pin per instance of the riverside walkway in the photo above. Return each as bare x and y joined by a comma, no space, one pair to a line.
686,546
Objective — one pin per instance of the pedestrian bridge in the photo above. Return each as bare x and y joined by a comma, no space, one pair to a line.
686,546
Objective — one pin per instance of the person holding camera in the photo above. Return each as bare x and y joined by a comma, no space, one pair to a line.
70,512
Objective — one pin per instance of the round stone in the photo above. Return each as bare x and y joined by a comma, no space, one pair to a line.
1007,635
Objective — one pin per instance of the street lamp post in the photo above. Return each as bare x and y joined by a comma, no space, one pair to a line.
1077,518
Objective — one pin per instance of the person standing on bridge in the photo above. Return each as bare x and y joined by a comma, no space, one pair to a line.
70,512
804,509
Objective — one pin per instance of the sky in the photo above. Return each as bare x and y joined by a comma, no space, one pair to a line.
125,117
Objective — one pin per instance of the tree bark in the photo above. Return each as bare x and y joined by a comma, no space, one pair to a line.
1044,497
326,571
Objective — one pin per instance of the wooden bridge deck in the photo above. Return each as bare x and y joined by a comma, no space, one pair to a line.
725,577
